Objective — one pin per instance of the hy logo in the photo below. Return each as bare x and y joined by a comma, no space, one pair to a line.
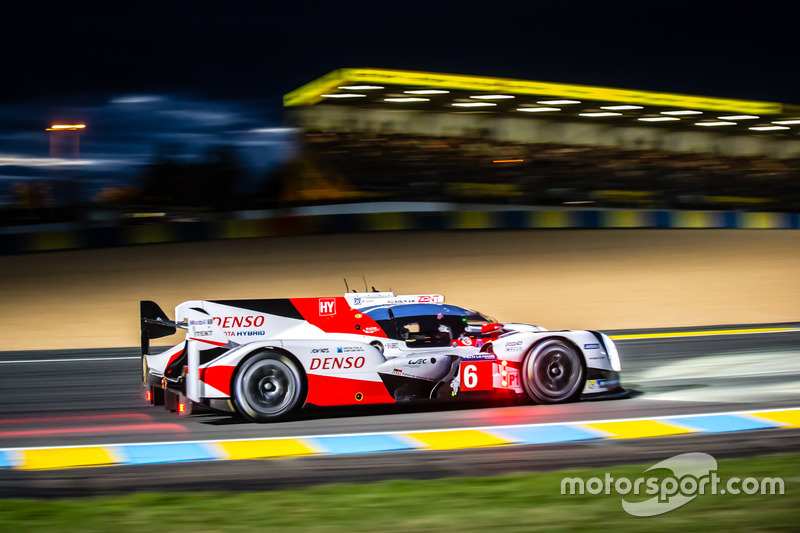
327,306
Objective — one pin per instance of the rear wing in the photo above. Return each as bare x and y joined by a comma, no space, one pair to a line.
155,323
201,331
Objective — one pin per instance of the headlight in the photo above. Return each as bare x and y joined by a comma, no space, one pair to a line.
613,354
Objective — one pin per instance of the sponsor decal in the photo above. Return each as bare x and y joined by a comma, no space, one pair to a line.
465,341
358,315
439,316
251,321
347,349
430,298
410,375
591,346
391,345
203,333
245,333
250,333
327,306
596,384
321,350
333,363
202,322
479,357
371,329
357,301
515,343
417,362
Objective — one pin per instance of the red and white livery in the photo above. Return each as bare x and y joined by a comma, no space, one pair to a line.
265,359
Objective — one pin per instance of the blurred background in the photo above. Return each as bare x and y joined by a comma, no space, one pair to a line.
165,113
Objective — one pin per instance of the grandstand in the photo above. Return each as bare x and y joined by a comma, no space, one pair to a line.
376,133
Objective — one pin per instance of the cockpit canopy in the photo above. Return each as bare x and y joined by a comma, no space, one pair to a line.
427,325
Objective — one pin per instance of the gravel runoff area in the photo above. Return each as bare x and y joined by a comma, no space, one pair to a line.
592,279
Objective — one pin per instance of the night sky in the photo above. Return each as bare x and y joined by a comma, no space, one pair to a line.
140,74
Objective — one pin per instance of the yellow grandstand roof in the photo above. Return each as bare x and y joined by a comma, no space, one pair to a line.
458,93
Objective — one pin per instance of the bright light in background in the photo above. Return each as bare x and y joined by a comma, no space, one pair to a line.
792,121
143,99
274,130
343,95
132,133
409,99
492,97
427,91
738,117
474,104
360,87
717,123
43,162
558,102
621,107
769,128
682,112
538,109
600,114
66,127
657,119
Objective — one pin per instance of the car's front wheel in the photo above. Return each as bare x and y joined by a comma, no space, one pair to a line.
267,387
553,372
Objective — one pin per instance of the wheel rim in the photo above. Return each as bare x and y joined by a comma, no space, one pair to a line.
268,387
554,371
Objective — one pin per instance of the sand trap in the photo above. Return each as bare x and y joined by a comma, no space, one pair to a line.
558,279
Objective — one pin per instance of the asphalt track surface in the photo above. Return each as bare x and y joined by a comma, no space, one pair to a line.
83,397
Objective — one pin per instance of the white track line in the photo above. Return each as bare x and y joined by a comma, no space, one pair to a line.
81,359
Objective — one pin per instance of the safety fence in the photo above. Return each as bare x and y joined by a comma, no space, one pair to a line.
234,227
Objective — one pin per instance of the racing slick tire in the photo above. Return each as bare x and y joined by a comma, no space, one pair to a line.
553,372
267,387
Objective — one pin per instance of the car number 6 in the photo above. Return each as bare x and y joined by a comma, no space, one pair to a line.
470,376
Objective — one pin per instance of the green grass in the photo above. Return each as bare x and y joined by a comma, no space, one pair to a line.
508,503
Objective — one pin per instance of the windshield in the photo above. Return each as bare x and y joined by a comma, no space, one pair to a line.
426,325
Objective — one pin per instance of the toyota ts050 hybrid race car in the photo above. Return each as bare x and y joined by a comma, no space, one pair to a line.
264,359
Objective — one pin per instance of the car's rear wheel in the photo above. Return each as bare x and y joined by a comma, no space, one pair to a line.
267,387
553,372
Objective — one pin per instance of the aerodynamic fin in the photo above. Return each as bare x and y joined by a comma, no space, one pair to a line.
154,323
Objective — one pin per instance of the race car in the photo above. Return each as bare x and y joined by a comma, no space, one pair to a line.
264,359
